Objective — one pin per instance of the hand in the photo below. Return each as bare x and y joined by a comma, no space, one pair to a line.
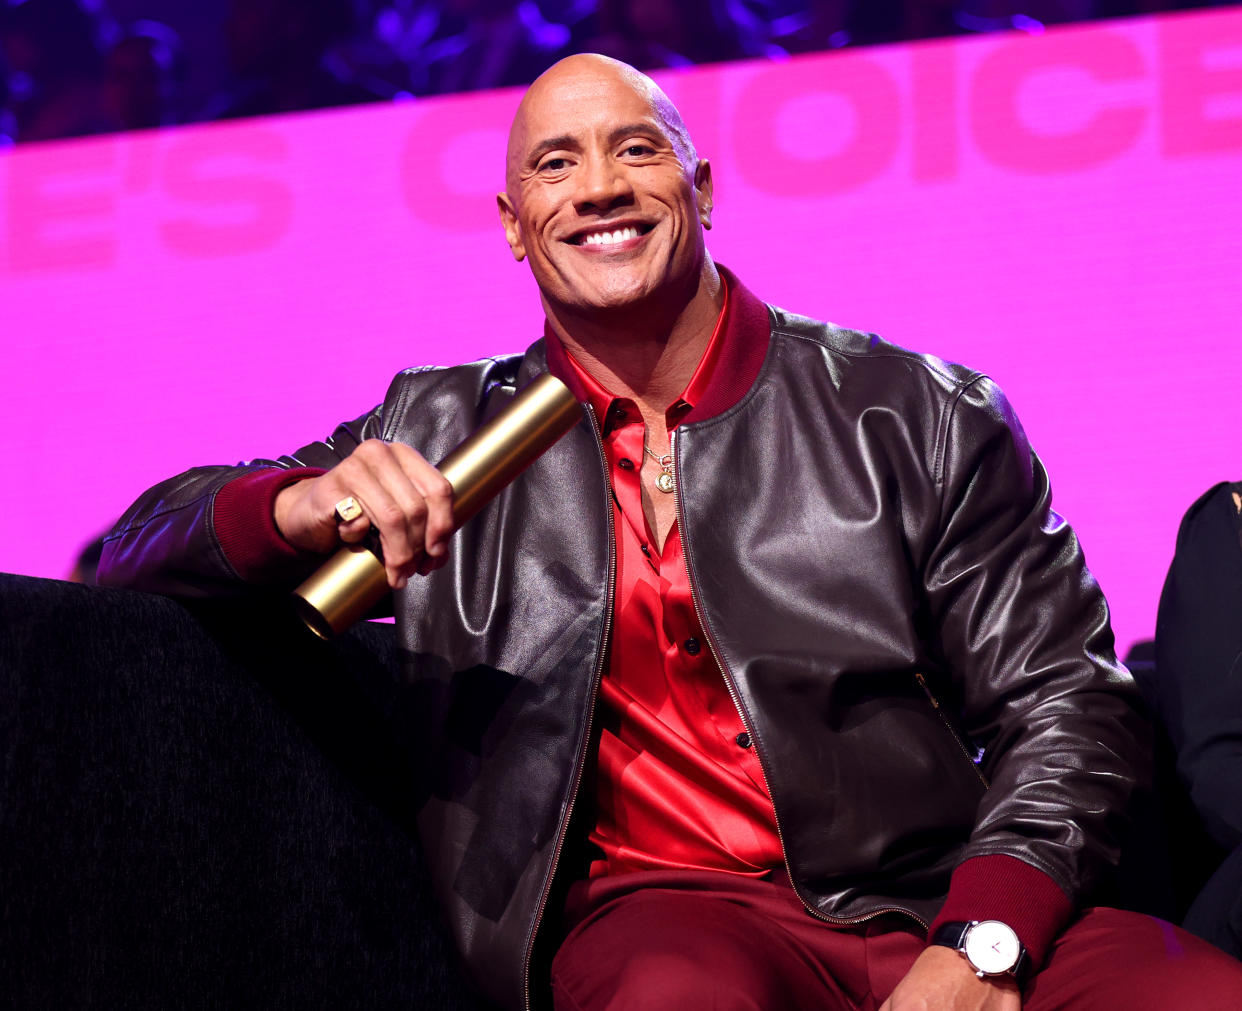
405,498
942,980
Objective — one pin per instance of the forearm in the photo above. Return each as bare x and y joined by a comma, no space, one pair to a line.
211,531
207,532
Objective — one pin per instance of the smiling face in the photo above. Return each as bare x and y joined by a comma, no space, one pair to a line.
604,193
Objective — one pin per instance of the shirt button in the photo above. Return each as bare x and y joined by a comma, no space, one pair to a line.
693,646
646,551
625,463
743,740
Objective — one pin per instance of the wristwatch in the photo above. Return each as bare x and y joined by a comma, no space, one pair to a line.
991,947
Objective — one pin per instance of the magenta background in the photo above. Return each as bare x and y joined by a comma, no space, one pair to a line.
1061,211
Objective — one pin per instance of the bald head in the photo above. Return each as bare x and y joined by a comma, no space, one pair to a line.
588,75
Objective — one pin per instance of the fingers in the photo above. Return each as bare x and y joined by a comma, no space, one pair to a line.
437,495
406,500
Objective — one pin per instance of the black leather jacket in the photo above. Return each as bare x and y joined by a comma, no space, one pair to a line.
874,560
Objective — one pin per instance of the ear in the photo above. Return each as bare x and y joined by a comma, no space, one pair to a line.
703,192
513,230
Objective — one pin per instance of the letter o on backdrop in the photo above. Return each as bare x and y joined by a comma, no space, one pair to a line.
769,165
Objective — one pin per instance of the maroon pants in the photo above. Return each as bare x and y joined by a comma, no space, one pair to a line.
676,939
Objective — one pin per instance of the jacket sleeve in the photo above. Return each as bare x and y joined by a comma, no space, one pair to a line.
1023,632
210,531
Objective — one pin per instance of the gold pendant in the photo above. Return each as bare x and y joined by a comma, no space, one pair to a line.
665,482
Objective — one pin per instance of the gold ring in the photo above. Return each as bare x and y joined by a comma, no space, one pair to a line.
347,509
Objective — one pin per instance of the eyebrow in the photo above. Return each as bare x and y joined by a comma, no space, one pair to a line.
551,144
647,129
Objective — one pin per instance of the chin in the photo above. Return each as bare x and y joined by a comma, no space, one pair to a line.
609,293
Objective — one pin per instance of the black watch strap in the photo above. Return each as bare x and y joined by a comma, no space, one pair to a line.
953,935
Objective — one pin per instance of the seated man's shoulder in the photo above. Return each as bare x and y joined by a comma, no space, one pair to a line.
502,368
433,398
861,356
474,381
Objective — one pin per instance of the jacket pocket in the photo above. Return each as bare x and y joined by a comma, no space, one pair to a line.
953,731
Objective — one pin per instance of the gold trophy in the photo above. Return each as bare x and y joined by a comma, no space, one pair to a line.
353,580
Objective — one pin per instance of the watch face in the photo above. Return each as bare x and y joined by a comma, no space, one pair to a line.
991,947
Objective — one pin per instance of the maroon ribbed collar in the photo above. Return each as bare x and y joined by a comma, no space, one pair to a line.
744,343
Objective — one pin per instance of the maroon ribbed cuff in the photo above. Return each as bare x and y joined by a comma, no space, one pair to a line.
243,516
999,887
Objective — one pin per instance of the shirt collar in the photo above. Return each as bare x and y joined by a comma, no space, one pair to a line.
604,401
745,334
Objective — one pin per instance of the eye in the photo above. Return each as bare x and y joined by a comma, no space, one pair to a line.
638,150
555,164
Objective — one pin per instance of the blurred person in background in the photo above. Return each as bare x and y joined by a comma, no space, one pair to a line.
480,44
1129,8
142,78
1026,15
282,54
8,123
807,26
52,49
650,34
1197,688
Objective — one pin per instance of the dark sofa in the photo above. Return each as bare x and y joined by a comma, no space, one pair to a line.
204,806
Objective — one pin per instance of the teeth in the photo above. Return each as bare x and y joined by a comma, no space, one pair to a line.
609,238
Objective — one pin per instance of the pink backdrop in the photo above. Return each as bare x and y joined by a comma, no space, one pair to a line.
1062,211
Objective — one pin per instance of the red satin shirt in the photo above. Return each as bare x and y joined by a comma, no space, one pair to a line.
679,785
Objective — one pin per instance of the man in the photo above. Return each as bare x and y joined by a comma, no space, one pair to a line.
710,676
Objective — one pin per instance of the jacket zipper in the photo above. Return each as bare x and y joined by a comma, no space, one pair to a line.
746,721
957,738
586,737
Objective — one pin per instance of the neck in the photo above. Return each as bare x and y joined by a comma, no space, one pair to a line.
646,353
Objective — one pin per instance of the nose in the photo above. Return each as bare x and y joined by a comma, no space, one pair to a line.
602,186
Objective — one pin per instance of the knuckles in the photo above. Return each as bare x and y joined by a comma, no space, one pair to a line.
388,514
398,557
371,449
426,506
439,487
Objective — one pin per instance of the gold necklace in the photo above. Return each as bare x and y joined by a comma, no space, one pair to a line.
665,479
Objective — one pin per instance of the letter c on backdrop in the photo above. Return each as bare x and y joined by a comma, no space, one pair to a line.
452,164
1003,139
